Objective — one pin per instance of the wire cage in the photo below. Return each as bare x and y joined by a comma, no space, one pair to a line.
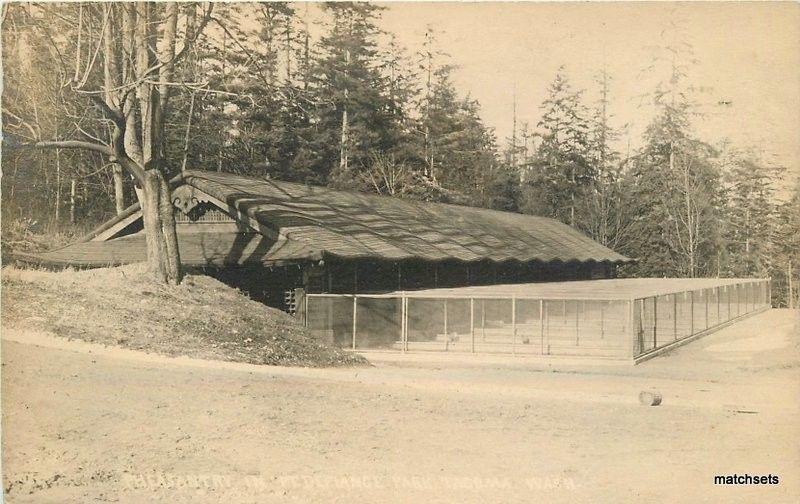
615,319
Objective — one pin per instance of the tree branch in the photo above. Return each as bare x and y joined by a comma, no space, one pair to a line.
71,144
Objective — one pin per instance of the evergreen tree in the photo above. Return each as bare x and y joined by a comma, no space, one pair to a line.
461,150
751,212
561,172
786,259
355,117
604,216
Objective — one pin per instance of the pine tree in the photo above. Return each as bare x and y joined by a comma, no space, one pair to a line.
786,262
676,187
355,119
605,218
561,173
751,212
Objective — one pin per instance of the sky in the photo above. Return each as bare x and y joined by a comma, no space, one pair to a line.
748,55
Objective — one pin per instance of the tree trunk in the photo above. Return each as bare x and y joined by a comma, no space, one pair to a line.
789,272
72,187
119,189
58,187
137,137
187,134
343,144
163,257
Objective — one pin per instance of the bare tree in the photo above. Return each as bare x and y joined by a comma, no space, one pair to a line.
138,46
386,176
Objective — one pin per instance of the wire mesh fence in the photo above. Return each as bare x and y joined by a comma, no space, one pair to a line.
661,320
608,328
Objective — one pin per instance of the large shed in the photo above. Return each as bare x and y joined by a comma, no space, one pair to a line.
274,239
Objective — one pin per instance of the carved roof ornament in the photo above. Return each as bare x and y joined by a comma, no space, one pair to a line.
185,198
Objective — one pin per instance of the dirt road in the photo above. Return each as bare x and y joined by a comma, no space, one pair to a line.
125,427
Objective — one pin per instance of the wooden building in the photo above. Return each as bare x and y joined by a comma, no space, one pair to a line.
273,239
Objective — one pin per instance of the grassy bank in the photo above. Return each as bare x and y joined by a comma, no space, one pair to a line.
200,318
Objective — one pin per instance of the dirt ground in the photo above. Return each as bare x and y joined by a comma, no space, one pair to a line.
85,424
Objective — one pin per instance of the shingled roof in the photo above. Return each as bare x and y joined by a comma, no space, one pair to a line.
309,223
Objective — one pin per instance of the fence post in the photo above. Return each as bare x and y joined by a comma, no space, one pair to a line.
305,308
472,323
602,320
675,317
403,322
738,300
746,298
355,319
483,320
513,325
445,319
655,321
728,297
640,328
769,292
632,331
691,312
541,325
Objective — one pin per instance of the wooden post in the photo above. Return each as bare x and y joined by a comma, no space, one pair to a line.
472,322
602,320
742,305
355,318
675,317
513,325
655,321
483,320
541,323
305,308
329,316
769,292
445,319
748,297
640,328
577,323
691,311
791,289
632,330
705,298
728,296
403,323
739,299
